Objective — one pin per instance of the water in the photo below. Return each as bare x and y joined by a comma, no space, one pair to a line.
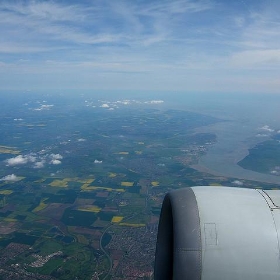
248,119
242,117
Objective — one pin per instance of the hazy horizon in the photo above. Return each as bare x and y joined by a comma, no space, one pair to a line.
240,128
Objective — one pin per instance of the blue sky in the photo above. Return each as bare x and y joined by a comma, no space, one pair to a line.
180,45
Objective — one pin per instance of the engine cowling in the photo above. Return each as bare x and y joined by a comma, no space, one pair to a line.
219,233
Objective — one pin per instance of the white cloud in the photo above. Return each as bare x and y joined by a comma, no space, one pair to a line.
176,7
237,183
56,156
43,107
67,22
267,128
81,140
46,106
55,161
11,178
50,11
154,102
126,102
138,35
38,160
262,135
98,161
31,158
40,164
256,58
18,160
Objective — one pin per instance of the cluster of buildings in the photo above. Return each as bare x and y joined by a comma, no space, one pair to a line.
132,251
40,260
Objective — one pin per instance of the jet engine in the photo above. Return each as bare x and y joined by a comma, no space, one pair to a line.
219,233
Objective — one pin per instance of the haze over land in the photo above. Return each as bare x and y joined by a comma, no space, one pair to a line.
82,177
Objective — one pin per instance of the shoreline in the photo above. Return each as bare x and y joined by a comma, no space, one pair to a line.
247,174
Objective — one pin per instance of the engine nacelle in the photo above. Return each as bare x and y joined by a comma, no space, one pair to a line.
219,233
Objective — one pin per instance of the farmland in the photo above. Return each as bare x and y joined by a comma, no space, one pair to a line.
81,186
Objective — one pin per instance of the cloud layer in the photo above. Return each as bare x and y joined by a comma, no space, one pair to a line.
38,160
111,105
153,45
11,178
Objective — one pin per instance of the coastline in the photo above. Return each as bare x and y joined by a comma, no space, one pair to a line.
243,174
234,139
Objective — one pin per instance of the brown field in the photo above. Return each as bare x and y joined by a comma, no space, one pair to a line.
95,244
82,230
102,194
84,201
7,227
54,210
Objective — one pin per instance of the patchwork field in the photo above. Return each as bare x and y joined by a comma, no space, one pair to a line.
81,187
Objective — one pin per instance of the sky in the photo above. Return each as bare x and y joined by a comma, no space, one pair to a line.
180,45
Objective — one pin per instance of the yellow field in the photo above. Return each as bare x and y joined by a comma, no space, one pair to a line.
6,147
41,206
112,175
155,183
122,153
64,182
90,208
8,150
117,219
84,186
59,183
92,188
11,220
68,179
40,180
132,225
85,181
127,184
6,192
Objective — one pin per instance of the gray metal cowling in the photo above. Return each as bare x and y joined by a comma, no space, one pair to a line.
219,233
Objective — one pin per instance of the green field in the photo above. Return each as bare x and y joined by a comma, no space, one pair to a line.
86,197
264,158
